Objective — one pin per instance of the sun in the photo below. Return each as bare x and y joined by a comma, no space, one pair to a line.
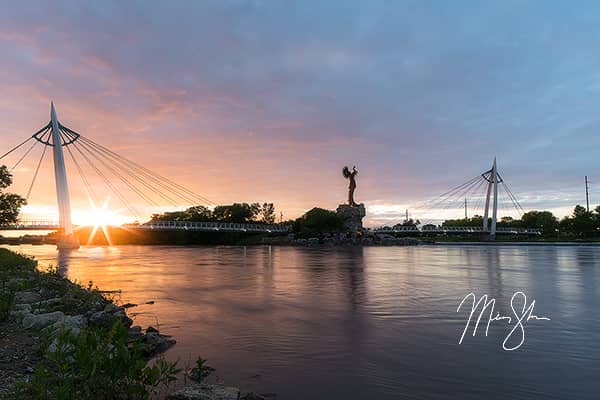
99,218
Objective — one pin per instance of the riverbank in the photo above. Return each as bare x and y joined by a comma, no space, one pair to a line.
62,340
53,330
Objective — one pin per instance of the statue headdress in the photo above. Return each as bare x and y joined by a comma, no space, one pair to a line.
346,172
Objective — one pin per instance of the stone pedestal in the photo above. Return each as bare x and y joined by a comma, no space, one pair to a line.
352,216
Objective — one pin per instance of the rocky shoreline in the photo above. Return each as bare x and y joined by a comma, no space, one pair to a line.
39,309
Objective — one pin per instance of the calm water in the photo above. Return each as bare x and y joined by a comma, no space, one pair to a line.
363,323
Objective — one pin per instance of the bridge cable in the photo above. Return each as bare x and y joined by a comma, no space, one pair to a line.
88,187
131,173
149,173
116,173
37,169
15,148
23,156
167,184
109,184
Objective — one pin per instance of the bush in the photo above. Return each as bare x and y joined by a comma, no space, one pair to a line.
96,364
317,222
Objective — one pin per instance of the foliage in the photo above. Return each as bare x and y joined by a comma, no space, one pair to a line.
235,213
7,300
96,364
544,220
10,204
267,213
582,223
476,220
409,222
316,222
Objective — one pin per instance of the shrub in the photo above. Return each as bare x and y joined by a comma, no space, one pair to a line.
96,364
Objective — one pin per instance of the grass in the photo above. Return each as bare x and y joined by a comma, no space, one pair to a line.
14,269
97,364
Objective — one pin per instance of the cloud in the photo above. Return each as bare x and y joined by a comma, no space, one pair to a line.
244,100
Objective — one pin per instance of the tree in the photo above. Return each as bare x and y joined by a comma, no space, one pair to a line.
10,204
267,213
237,212
318,221
544,220
409,222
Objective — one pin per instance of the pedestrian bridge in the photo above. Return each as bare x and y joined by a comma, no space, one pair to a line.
458,229
210,226
161,225
31,225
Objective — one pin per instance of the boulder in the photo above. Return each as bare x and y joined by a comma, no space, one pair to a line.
155,343
40,321
27,297
71,323
206,392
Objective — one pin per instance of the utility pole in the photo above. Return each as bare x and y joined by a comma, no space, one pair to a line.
406,218
466,215
280,217
587,196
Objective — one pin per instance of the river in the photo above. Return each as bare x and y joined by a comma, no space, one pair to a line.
363,323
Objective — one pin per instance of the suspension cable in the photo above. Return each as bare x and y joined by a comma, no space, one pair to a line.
15,148
37,169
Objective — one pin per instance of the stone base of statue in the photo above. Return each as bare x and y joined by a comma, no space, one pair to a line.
352,216
67,242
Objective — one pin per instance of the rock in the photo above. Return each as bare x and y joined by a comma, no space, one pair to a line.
123,317
106,318
129,305
135,332
352,216
102,318
28,297
152,329
40,321
313,241
26,308
70,323
155,343
46,292
206,392
111,308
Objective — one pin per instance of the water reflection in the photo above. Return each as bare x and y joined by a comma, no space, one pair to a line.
361,323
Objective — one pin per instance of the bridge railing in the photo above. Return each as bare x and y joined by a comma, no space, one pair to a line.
211,226
31,224
458,229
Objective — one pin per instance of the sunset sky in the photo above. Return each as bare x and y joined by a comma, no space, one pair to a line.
268,100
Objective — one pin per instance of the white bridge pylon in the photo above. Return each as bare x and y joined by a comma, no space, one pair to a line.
492,186
62,186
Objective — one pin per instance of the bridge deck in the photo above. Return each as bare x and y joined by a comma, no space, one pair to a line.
460,229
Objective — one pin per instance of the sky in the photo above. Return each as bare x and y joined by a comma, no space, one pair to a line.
266,101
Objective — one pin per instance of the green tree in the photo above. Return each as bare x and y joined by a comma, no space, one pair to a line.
544,220
581,223
237,212
318,221
10,203
267,213
476,220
